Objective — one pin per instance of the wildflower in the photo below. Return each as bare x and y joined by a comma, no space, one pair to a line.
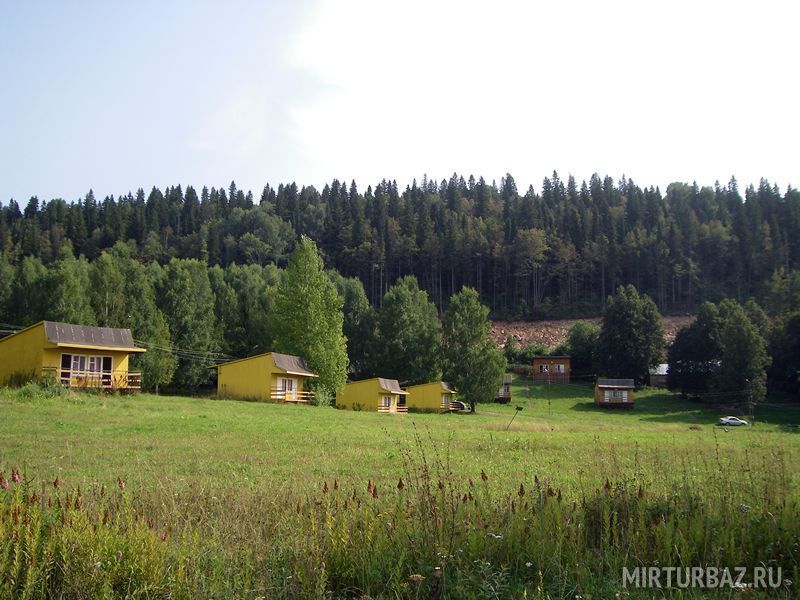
400,484
164,536
97,565
375,492
484,476
120,483
325,487
521,491
15,476
416,577
743,508
3,482
119,554
529,564
56,482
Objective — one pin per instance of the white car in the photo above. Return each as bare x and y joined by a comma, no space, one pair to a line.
731,421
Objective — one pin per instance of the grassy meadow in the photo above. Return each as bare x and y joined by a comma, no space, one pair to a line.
238,499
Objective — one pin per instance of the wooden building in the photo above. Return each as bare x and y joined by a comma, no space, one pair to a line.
614,392
658,376
551,369
376,394
271,377
504,393
77,356
435,395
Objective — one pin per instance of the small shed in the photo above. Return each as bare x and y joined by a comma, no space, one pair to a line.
614,392
271,376
504,393
658,376
551,369
377,395
435,395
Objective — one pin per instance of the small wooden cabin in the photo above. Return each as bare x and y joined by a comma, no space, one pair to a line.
376,394
271,377
614,392
658,376
504,393
551,369
435,395
77,356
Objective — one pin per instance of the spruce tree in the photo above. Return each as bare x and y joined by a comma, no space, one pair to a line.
472,362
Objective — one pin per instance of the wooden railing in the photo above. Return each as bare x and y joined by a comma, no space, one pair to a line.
392,409
281,395
108,380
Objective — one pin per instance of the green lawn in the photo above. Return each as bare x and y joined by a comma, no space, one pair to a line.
559,434
240,499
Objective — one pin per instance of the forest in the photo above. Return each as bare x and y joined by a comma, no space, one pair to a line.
197,277
553,253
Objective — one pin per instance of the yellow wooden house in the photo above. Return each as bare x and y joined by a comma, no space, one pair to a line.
272,376
614,392
77,356
377,394
435,395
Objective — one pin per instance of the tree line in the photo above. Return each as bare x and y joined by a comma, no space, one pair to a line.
559,251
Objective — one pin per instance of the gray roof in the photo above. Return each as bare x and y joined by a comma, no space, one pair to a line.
448,387
292,364
86,335
391,385
615,383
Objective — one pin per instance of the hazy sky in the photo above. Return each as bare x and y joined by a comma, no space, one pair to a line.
115,97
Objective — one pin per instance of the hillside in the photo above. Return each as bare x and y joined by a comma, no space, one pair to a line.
552,333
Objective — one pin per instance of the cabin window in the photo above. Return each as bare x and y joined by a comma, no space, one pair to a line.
386,402
542,368
616,395
79,362
559,368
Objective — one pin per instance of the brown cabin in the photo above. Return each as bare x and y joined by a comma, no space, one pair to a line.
614,392
658,376
551,369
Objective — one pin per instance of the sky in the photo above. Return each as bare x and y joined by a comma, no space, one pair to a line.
117,96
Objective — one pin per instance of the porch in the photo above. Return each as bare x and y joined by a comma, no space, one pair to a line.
280,394
104,380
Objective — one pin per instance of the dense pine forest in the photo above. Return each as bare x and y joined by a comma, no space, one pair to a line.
557,252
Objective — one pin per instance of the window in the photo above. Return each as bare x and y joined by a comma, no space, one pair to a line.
79,362
386,402
542,368
560,368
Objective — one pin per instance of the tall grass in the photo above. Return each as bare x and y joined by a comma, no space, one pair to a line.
433,533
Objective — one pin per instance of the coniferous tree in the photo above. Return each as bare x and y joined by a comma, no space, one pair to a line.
307,317
359,321
472,362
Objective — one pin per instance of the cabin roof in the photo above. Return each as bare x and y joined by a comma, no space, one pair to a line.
293,365
445,386
68,335
391,385
615,383
558,356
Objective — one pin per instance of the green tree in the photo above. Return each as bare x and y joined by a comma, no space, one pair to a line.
27,296
784,347
631,337
67,289
581,346
107,291
472,362
146,322
307,319
6,274
695,354
742,372
408,338
359,321
188,305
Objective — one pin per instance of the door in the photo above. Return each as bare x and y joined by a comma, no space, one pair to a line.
66,365
106,376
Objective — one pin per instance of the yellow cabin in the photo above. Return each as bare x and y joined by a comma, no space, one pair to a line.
435,395
271,376
614,392
377,394
77,356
